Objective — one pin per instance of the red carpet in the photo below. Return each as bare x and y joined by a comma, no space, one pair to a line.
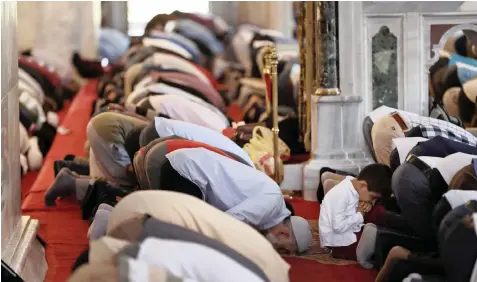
64,231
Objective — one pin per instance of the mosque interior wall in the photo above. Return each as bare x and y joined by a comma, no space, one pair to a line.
21,249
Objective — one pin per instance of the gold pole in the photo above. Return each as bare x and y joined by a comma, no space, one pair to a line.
273,59
309,68
300,6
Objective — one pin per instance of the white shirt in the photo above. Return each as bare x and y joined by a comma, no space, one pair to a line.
161,88
167,127
449,165
180,108
339,219
139,271
24,77
237,189
405,145
459,197
167,45
193,261
173,62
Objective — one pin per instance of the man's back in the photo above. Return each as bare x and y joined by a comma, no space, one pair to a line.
196,215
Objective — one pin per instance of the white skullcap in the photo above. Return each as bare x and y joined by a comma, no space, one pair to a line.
301,230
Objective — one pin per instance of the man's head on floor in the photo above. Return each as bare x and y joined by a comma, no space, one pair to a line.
292,236
373,183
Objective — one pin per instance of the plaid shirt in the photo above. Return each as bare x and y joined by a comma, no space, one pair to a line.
431,127
430,131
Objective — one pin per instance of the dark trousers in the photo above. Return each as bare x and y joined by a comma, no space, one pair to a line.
440,211
424,265
415,199
458,245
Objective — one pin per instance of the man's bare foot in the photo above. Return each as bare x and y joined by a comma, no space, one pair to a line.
396,253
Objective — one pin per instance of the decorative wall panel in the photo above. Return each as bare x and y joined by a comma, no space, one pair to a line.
384,60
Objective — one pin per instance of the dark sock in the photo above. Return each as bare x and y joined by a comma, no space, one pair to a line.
72,165
69,157
87,69
64,185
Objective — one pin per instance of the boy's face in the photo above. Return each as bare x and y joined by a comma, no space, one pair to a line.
365,195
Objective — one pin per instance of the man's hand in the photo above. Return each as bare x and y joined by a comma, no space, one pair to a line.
364,207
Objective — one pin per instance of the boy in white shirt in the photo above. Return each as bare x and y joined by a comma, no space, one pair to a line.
341,214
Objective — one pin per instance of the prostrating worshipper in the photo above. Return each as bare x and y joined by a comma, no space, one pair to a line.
196,215
456,259
186,82
125,269
344,209
240,191
180,108
435,147
419,183
387,124
189,260
142,227
107,135
162,127
163,88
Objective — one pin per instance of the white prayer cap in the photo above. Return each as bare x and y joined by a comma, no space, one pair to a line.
301,230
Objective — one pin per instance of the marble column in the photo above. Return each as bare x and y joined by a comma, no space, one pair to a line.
335,117
115,15
326,56
20,248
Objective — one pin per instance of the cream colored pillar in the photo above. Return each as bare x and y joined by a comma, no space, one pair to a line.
21,250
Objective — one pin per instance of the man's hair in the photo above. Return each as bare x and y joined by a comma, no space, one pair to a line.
378,177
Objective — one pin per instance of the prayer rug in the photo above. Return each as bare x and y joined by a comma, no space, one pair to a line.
319,254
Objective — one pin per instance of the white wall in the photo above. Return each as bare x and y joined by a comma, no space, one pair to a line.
55,29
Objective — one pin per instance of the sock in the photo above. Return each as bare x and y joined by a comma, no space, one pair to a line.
24,164
34,156
81,186
99,225
64,185
87,69
69,157
366,246
53,119
106,207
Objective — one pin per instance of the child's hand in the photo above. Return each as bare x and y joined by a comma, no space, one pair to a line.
364,207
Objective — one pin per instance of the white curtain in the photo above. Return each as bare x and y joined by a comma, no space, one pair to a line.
277,15
54,30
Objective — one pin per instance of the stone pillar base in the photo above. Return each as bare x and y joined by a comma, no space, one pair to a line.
336,135
24,253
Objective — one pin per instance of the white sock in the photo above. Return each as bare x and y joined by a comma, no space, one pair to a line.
53,119
24,163
366,245
34,156
99,225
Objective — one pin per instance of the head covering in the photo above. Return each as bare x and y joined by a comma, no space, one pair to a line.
301,230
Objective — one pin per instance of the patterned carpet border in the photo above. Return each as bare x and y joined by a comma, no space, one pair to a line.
319,254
